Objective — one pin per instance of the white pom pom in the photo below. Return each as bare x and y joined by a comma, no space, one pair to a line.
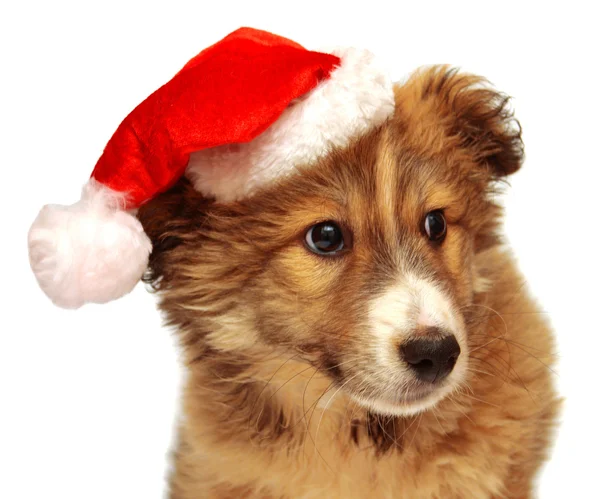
92,251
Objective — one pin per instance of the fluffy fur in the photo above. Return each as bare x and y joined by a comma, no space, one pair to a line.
291,384
357,96
91,251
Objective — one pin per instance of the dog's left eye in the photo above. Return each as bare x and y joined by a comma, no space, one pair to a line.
435,226
325,238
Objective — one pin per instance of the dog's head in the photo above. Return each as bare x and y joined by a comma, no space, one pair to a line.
361,264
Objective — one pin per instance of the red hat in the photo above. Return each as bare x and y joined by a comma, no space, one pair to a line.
239,115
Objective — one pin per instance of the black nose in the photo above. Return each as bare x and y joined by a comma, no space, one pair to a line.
431,359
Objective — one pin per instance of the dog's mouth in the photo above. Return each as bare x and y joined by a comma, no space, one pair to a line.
401,400
402,390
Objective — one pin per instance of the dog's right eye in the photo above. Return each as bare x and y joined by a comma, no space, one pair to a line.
435,226
325,238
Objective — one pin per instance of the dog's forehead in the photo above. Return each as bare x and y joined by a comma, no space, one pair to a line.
380,171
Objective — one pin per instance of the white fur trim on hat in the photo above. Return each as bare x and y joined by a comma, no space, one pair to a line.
91,251
356,97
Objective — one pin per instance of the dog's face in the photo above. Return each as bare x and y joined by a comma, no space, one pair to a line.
363,264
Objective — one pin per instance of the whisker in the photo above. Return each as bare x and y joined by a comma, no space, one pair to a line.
265,387
433,411
279,388
415,433
514,342
471,369
461,411
482,401
321,419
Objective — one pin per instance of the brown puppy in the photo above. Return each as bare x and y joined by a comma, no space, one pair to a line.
358,330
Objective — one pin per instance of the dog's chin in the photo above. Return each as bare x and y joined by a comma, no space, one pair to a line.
410,404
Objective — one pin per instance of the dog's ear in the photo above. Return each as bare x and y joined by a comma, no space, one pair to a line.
168,220
474,115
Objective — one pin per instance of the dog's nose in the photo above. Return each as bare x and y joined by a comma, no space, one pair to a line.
431,359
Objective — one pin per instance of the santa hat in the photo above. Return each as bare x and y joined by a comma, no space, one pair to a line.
241,114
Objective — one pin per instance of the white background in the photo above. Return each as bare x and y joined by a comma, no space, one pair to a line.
88,398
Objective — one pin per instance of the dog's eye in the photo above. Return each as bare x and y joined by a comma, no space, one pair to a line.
435,226
325,238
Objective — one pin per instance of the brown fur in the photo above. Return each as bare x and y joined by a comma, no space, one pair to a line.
270,330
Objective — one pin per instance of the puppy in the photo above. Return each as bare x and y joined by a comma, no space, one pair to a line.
358,328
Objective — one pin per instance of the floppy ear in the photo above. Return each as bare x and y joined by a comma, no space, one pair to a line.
474,115
168,220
